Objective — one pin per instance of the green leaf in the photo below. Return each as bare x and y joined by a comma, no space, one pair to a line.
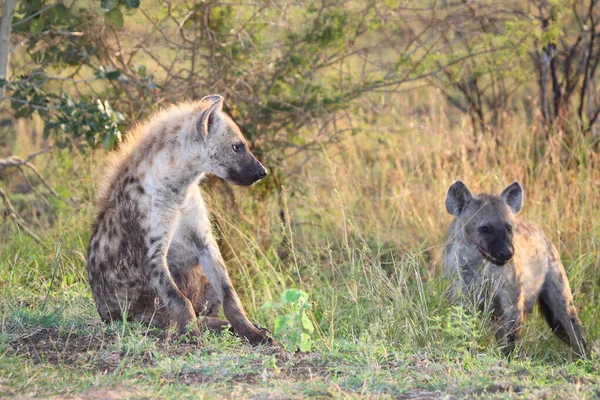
24,112
36,26
280,324
112,75
132,3
305,342
61,13
306,323
115,17
15,105
291,295
48,127
108,142
108,5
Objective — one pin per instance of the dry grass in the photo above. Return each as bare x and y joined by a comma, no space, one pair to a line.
362,234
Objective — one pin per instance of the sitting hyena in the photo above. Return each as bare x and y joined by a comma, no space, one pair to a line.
152,256
493,255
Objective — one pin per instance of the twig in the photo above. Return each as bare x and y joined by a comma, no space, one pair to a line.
18,162
34,106
35,14
10,211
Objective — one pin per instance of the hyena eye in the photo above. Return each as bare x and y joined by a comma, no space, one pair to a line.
509,228
484,229
236,147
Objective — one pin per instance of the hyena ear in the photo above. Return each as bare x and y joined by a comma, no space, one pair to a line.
457,198
513,195
210,115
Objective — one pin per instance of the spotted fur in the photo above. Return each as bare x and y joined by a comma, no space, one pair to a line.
495,258
152,256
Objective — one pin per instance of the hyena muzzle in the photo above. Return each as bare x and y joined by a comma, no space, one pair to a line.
152,256
494,257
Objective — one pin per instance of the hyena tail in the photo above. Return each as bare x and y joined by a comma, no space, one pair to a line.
558,309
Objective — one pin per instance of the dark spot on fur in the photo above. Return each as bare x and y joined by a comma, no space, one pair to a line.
172,294
141,190
161,145
122,197
156,254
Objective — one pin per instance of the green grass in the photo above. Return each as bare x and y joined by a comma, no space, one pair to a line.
362,235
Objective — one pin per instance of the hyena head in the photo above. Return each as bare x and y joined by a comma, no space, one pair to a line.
228,154
487,221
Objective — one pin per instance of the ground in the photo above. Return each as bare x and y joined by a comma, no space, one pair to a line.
51,355
359,229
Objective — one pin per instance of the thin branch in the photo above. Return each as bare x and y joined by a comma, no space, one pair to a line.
35,14
12,214
18,162
35,106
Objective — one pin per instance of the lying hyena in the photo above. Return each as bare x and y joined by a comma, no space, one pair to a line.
152,256
493,255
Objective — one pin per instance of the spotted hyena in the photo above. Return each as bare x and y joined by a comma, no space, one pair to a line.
152,256
492,255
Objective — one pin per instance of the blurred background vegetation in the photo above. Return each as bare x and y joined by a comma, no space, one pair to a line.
363,111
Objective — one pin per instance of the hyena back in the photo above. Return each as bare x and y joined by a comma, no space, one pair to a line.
152,257
492,255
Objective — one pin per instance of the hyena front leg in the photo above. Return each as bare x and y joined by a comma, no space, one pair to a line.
178,307
195,233
510,323
556,304
214,266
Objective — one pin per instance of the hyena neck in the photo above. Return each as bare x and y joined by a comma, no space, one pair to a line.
173,159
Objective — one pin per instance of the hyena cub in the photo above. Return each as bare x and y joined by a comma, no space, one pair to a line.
152,256
492,255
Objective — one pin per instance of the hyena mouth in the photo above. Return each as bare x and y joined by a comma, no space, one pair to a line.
490,258
245,178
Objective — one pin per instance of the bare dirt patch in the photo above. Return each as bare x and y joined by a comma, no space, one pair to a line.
56,347
285,366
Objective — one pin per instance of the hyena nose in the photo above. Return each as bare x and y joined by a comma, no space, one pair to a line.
262,171
506,255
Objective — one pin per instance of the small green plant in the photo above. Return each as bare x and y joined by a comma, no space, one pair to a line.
293,327
459,328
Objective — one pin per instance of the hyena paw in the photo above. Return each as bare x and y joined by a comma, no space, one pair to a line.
186,323
189,332
258,336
